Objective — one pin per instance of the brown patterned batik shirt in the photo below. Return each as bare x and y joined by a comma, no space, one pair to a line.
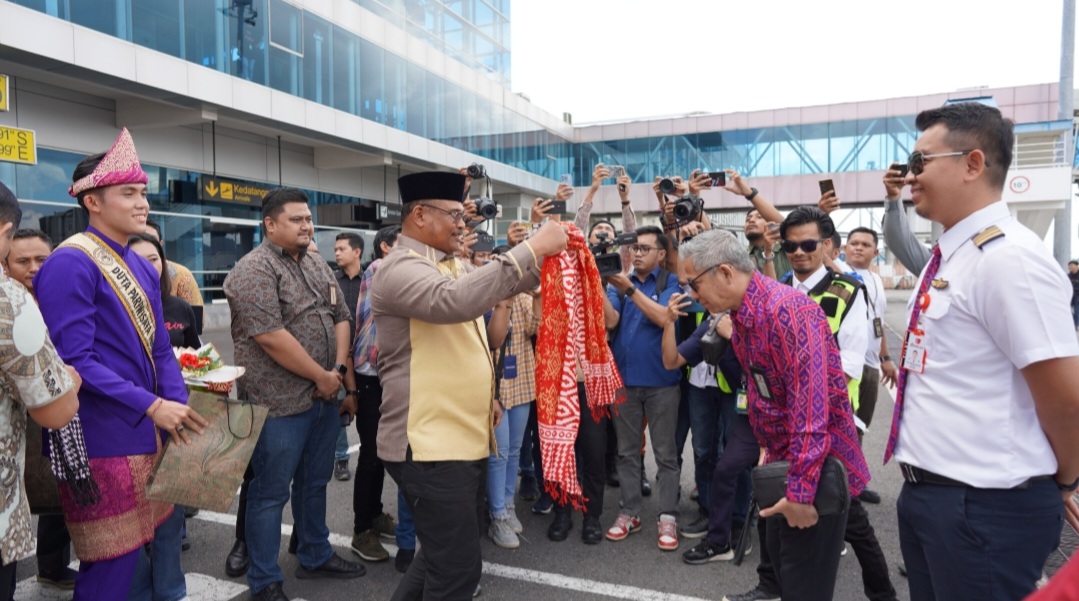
268,290
31,377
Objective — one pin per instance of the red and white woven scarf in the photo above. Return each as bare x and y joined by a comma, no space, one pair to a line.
572,330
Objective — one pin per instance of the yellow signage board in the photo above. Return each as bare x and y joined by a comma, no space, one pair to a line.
5,104
219,189
18,145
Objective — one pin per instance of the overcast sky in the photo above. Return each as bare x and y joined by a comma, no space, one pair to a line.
604,59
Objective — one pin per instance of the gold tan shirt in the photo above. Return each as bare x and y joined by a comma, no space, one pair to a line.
433,360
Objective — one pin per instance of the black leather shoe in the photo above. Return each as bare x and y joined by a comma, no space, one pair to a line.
236,563
591,531
293,542
869,496
270,593
404,559
560,527
335,567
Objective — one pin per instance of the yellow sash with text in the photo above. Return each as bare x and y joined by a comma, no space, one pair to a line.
123,283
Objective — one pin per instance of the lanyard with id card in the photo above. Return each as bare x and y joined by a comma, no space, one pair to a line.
914,352
741,398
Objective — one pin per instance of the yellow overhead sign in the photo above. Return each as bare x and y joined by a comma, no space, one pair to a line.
18,145
4,104
219,189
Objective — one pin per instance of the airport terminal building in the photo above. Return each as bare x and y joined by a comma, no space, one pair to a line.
227,99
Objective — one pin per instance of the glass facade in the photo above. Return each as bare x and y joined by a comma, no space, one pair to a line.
861,145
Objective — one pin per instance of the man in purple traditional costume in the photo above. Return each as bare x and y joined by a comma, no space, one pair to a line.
102,305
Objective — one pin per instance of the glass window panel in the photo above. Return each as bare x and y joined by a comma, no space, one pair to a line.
417,100
108,16
345,71
371,92
396,96
453,33
317,60
286,26
285,72
436,105
156,24
451,123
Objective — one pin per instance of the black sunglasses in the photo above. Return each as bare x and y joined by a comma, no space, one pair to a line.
806,246
918,159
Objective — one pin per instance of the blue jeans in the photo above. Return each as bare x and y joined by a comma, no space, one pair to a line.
502,468
340,451
296,450
405,531
162,577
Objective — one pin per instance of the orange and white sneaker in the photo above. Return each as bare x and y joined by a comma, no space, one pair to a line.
623,527
668,533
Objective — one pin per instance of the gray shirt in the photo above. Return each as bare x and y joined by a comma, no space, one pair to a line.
900,240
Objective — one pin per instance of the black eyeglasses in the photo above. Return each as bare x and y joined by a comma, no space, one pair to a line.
693,282
918,159
456,215
806,246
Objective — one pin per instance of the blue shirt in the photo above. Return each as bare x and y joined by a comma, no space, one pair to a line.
637,345
93,333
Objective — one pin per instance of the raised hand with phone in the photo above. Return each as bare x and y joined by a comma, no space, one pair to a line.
893,181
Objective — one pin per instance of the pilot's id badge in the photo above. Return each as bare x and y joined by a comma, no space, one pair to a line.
878,327
761,382
333,294
914,352
741,401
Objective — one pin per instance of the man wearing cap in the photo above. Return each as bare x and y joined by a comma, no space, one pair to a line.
438,406
102,305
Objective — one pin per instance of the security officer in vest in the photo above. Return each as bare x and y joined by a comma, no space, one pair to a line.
807,236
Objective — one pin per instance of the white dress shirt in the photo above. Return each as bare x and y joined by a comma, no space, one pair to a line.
971,416
878,305
853,337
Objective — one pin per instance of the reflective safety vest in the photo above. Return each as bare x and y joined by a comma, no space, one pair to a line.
835,294
720,379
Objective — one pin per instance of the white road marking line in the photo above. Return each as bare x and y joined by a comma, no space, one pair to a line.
617,591
201,587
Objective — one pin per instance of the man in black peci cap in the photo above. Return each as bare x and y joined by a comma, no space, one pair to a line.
438,406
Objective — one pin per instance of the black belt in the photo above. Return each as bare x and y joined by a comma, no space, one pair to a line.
916,475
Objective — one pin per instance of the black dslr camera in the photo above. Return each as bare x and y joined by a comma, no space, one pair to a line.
610,263
486,209
476,171
688,207
667,185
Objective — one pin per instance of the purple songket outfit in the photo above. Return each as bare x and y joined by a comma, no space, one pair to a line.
94,333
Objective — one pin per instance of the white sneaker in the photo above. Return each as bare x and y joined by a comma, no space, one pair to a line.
511,515
501,532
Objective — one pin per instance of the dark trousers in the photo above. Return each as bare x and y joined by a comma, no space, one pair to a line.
863,540
731,483
370,474
7,581
447,502
531,445
806,560
973,543
53,546
241,506
766,573
590,447
867,395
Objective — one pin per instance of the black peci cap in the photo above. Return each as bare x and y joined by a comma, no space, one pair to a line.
432,185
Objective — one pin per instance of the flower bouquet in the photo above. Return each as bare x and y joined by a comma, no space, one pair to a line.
203,369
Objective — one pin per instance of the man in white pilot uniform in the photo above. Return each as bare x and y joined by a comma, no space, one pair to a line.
987,405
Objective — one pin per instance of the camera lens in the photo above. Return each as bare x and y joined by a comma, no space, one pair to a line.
476,171
486,208
666,185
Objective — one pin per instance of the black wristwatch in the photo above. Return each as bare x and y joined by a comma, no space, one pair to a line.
352,393
630,291
1067,487
341,368
752,194
885,358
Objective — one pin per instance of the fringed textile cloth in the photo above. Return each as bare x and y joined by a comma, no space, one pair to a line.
571,331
